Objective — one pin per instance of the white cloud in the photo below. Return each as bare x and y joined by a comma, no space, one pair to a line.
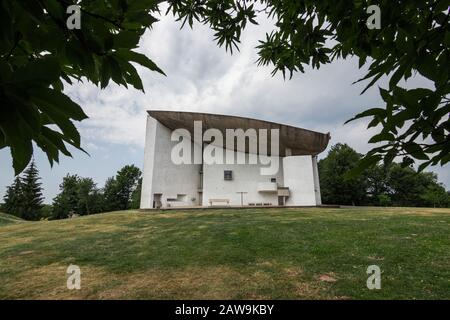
203,77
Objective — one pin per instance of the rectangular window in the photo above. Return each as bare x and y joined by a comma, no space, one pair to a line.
228,175
273,179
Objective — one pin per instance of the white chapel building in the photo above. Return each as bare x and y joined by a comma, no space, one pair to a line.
187,164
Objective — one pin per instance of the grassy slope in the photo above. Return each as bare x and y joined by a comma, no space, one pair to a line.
252,253
8,219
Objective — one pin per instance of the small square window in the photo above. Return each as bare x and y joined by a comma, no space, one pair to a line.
273,179
228,175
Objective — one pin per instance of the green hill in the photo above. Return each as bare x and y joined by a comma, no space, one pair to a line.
231,254
8,219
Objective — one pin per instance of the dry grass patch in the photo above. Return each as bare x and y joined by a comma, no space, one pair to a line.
50,282
218,282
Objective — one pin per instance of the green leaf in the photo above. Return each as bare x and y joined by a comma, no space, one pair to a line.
116,72
375,121
126,39
60,102
385,95
383,136
56,139
131,75
40,71
54,8
50,102
423,165
370,112
138,58
17,135
105,73
415,151
2,140
6,72
398,74
366,162
408,99
445,159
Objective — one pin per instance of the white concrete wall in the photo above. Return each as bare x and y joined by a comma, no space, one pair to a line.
161,175
299,177
246,177
316,181
149,155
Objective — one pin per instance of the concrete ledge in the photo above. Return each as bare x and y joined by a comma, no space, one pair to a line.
300,141
236,208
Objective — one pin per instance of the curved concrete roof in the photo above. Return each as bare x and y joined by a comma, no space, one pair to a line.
300,141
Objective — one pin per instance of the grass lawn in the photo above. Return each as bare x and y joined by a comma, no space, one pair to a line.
8,219
310,253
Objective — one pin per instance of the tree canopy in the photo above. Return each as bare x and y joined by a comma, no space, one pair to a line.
39,55
118,190
414,38
335,187
66,202
379,185
82,197
78,196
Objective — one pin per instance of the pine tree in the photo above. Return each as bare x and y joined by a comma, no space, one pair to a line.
31,195
12,198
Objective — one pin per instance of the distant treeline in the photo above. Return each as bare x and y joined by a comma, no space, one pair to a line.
380,185
390,185
77,196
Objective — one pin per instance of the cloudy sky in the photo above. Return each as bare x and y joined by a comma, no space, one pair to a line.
203,77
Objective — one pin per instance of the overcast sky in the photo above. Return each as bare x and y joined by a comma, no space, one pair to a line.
203,77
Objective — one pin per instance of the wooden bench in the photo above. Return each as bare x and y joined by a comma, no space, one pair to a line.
211,201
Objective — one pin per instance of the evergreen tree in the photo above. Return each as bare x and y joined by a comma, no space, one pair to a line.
12,199
31,197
